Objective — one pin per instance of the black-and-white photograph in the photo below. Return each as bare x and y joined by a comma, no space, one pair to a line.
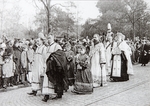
74,52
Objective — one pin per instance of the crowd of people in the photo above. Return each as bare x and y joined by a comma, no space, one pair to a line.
53,66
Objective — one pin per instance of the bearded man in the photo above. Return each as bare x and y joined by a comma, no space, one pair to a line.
98,61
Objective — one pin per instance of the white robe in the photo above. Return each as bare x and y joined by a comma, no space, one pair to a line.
127,50
39,66
97,55
48,87
108,55
116,68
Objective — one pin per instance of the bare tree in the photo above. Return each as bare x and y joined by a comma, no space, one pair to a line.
48,9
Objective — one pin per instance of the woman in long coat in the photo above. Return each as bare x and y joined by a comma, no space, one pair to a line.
70,63
83,82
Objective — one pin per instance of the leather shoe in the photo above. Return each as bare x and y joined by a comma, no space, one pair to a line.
32,93
46,97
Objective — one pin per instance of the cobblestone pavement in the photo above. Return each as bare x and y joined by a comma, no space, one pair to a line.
135,92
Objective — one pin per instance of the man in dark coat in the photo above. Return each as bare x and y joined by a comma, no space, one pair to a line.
147,49
17,60
57,71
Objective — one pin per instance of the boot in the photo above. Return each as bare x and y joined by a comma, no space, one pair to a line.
46,97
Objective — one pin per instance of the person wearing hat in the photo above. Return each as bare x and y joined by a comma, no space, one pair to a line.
24,64
30,57
121,60
83,82
8,70
145,52
70,63
17,50
76,48
39,66
9,51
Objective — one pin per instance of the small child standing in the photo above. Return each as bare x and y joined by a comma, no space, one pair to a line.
8,71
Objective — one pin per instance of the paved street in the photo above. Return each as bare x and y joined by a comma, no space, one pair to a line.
135,92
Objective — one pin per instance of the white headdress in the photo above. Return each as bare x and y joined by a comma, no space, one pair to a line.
109,27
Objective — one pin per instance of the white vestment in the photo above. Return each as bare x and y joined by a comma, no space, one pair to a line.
38,67
108,54
97,55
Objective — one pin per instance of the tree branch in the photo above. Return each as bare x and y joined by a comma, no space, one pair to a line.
36,4
45,5
59,4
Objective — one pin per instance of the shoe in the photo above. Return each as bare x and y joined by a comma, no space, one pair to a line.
11,85
5,87
46,97
32,93
57,97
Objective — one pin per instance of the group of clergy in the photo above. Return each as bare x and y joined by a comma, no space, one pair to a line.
84,65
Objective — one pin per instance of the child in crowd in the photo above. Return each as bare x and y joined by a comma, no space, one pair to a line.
8,71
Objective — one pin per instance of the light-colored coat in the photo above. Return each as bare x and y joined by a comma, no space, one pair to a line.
24,59
8,68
